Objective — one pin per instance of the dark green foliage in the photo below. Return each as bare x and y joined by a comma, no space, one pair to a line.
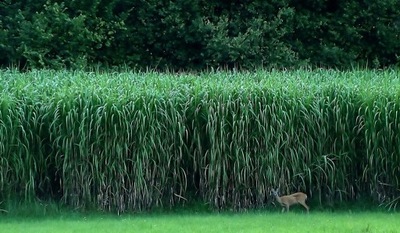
198,34
340,33
48,34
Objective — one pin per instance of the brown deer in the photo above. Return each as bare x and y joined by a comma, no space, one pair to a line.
288,200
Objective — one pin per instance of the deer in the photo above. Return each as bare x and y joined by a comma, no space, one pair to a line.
288,200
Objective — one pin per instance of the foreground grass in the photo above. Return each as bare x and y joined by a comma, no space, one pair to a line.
245,222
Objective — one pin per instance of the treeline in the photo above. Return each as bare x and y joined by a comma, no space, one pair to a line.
198,34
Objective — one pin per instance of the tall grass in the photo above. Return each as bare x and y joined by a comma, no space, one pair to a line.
133,141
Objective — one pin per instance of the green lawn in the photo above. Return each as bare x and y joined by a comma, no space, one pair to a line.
245,222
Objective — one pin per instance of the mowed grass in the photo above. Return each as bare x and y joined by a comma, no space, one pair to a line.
243,222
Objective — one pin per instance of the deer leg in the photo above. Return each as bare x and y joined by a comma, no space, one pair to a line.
305,206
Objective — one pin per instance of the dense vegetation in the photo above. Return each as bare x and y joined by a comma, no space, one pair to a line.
133,141
198,34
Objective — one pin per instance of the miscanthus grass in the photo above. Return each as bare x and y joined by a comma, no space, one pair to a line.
134,141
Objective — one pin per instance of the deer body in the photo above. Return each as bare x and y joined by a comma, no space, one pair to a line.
288,200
